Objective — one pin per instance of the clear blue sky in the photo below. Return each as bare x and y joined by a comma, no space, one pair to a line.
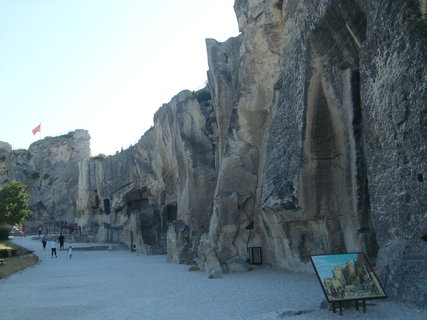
101,65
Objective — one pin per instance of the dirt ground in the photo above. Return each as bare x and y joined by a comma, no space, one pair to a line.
23,260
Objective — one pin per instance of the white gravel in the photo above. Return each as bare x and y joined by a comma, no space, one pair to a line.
122,285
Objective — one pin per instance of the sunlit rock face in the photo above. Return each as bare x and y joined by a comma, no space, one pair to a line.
50,170
135,196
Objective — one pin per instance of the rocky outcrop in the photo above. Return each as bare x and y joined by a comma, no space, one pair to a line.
5,161
318,94
169,175
49,169
179,245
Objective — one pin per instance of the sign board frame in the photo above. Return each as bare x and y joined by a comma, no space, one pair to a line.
347,277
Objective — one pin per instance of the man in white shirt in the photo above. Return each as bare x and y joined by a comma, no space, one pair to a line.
53,247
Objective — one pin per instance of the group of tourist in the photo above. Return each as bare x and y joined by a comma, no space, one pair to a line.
46,231
53,245
65,227
72,228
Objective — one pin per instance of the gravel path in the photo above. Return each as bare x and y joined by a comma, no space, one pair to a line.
122,285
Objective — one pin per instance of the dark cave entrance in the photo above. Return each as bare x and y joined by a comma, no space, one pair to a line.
107,207
171,213
168,214
136,199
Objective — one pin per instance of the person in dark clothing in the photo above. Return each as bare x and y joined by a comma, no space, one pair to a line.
44,241
61,241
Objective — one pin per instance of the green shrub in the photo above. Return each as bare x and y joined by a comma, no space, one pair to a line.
202,95
5,232
100,156
4,253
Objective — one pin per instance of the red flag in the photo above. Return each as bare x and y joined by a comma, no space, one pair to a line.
37,129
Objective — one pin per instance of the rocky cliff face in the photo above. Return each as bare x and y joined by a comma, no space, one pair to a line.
309,139
323,145
49,169
167,177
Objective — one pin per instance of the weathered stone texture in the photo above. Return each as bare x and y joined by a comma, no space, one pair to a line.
5,161
49,168
179,243
168,175
326,137
394,95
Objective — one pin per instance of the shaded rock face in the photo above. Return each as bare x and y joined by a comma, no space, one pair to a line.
179,243
325,146
394,95
314,196
50,170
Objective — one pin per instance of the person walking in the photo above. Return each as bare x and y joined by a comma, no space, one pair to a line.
70,252
53,247
44,241
61,241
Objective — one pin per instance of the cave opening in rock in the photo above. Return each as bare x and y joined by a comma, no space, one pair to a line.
150,226
171,213
95,199
107,207
136,199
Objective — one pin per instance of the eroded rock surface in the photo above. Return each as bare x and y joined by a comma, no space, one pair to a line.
326,141
50,170
136,195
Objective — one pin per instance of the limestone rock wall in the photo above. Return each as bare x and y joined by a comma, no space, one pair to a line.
244,69
323,137
49,169
5,162
314,195
394,112
135,196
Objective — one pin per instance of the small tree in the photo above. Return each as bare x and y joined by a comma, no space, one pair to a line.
14,204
